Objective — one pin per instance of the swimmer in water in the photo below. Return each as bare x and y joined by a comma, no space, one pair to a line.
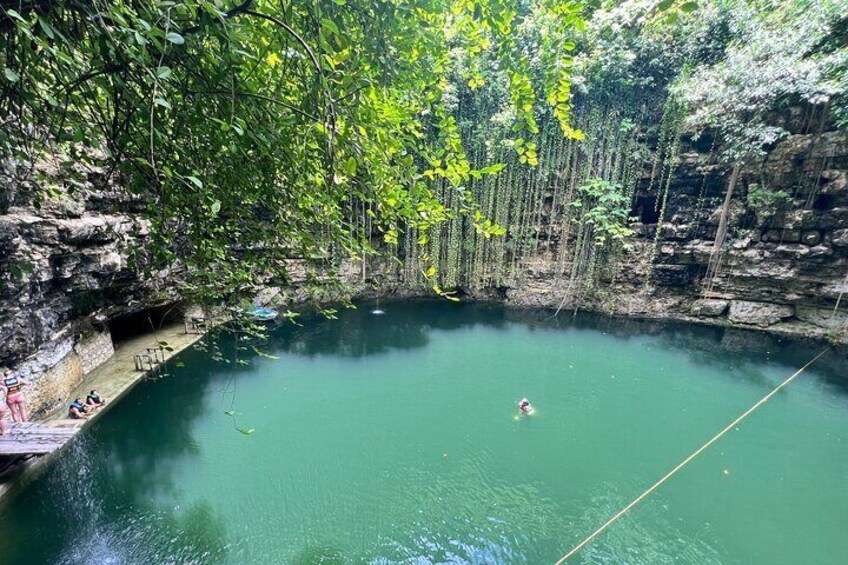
525,406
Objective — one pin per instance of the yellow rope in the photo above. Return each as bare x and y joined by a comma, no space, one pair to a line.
683,463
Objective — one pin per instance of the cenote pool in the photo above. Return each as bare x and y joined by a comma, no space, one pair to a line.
395,439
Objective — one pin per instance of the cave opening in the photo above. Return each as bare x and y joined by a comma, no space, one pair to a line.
823,202
645,208
128,326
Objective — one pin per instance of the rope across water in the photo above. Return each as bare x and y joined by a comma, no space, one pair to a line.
686,461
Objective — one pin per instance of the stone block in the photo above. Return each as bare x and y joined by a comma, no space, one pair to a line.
270,296
44,233
671,275
782,235
53,387
834,181
88,230
792,251
839,238
819,252
829,145
94,349
709,307
811,237
762,314
110,262
835,218
791,236
771,235
822,317
48,356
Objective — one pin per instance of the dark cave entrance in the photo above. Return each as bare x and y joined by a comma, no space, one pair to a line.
132,325
645,208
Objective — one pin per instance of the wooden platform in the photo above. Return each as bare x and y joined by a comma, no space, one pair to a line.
37,438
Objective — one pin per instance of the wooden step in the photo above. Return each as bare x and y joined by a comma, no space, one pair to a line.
36,438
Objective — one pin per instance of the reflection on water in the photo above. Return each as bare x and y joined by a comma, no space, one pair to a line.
389,439
80,487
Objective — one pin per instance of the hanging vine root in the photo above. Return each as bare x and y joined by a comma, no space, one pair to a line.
686,461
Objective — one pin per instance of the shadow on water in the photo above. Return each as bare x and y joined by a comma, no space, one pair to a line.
77,513
741,352
152,430
405,325
408,324
128,459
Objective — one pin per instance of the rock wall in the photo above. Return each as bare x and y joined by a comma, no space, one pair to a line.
94,349
65,271
783,267
66,266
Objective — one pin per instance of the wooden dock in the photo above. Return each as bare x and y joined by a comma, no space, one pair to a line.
30,447
37,438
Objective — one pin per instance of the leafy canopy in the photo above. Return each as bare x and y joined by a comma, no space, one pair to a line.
254,129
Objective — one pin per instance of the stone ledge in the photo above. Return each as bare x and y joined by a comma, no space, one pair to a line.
761,314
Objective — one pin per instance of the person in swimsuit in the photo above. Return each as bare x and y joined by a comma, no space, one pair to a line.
78,410
14,395
94,399
525,406
4,427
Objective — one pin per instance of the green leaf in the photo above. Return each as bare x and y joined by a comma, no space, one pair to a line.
46,27
11,75
163,73
688,7
216,207
198,183
330,25
349,165
664,5
162,102
175,38
16,15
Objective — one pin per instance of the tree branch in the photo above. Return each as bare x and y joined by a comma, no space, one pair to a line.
258,97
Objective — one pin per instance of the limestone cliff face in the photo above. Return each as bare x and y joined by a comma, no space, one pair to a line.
66,267
783,266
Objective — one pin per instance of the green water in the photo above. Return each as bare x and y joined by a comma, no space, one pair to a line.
396,439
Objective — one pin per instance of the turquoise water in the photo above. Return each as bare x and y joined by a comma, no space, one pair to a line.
395,438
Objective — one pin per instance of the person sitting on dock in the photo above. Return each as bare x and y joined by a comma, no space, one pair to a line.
78,410
4,427
94,399
14,397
